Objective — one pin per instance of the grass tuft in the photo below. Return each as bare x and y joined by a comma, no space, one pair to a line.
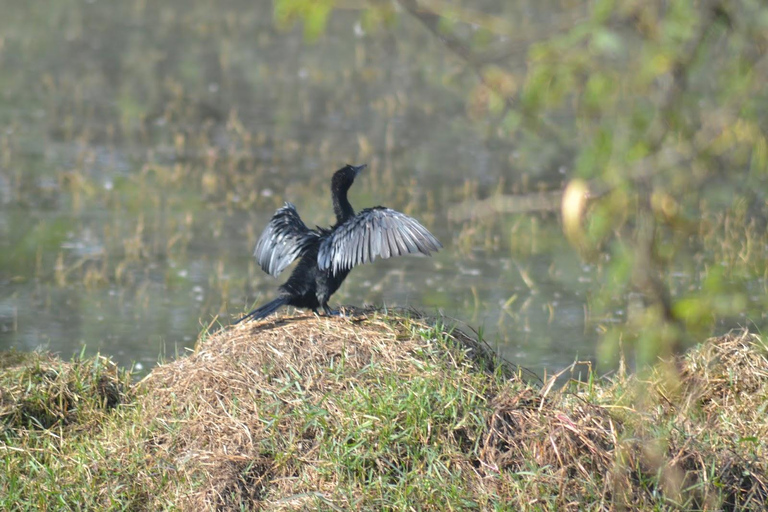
42,392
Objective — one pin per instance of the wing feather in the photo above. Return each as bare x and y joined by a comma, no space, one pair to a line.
391,236
365,254
374,232
408,240
384,239
283,240
404,249
361,256
375,238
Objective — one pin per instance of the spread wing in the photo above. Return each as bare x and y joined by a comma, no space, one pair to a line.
374,232
283,240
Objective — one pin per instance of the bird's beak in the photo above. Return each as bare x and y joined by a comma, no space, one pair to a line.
359,168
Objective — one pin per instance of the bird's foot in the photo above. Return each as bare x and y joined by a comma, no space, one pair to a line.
333,312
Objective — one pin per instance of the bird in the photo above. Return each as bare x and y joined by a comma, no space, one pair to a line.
326,255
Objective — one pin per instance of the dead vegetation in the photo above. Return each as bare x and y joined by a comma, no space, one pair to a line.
379,411
636,445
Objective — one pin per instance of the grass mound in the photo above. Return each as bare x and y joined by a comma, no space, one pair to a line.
306,411
391,412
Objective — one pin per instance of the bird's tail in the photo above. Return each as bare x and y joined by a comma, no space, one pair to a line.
265,310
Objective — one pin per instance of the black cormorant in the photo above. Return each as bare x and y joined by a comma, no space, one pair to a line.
327,255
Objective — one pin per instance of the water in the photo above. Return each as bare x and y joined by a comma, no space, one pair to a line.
144,147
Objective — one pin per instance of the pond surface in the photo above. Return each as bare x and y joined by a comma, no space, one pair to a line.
144,148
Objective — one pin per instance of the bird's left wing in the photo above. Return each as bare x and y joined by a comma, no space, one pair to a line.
374,232
283,240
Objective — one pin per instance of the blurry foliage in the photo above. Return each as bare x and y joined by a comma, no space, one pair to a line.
663,131
314,13
657,107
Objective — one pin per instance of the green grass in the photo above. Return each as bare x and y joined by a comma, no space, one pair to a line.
61,424
380,412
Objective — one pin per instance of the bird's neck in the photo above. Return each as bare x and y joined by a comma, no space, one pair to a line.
341,206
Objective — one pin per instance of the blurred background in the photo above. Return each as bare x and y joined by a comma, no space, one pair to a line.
144,146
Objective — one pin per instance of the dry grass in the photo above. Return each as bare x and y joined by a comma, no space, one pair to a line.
379,411
637,445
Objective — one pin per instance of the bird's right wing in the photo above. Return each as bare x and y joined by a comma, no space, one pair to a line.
283,240
374,232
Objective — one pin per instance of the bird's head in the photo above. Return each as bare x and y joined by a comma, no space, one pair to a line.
344,177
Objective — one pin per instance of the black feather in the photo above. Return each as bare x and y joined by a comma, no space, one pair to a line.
281,242
327,255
